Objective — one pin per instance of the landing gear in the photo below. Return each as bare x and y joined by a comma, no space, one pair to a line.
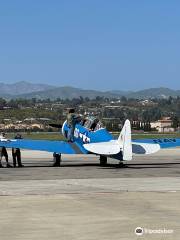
57,160
121,164
103,160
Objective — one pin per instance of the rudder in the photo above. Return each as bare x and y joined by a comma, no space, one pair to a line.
124,141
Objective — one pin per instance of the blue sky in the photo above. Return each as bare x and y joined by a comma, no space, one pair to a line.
97,44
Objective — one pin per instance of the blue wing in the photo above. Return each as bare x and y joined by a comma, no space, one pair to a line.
41,145
163,142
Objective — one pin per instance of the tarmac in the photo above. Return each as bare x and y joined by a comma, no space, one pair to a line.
83,201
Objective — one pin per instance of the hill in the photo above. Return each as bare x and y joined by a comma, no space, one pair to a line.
154,93
68,92
42,91
71,92
7,90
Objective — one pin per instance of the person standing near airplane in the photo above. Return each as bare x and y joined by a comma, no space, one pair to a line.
16,153
3,153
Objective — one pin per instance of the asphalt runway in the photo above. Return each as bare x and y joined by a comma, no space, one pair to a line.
38,166
83,201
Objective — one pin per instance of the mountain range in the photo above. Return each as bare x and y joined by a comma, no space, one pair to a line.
41,91
22,88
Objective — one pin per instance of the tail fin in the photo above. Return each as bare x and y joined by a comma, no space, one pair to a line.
124,141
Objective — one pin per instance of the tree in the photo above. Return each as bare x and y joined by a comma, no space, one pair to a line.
176,122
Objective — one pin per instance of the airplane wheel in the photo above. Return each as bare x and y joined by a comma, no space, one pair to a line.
103,161
121,164
57,159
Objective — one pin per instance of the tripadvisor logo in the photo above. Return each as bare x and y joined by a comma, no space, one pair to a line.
139,231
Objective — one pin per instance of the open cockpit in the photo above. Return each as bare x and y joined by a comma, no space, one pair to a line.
91,123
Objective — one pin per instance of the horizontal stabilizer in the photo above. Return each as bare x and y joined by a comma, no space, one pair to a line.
113,148
144,148
103,148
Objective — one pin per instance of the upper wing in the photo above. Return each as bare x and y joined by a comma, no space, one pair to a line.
41,145
162,142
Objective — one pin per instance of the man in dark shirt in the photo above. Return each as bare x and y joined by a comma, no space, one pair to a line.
16,153
3,152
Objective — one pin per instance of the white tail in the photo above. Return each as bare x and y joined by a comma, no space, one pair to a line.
124,141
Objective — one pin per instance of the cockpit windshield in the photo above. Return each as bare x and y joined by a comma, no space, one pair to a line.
92,123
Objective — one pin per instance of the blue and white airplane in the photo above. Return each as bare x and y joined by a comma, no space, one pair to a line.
92,137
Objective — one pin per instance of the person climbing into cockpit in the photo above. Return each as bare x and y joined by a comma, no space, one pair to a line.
72,120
